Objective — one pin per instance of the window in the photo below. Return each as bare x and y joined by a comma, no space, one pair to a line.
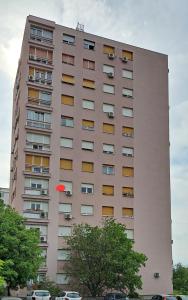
127,92
62,278
65,164
108,128
40,76
128,131
128,171
127,212
41,34
68,185
65,207
37,164
88,124
67,59
68,79
67,100
107,88
108,190
108,108
39,97
67,121
68,39
40,55
66,142
38,117
107,211
130,234
87,145
63,254
88,104
127,54
87,210
108,69
37,138
108,49
126,151
89,45
127,191
88,64
87,166
127,74
32,184
108,169
90,84
64,231
87,188
108,149
127,112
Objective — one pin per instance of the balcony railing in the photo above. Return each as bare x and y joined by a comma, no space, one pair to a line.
40,80
43,60
38,124
37,101
40,38
37,146
35,191
36,169
34,214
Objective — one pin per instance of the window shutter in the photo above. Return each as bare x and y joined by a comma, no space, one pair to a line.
127,92
87,210
108,108
88,123
68,79
66,142
128,151
107,211
88,83
127,190
107,88
62,278
128,131
127,74
65,164
64,230
127,212
108,128
65,208
108,49
108,69
37,160
87,167
127,112
108,148
108,190
88,104
87,145
127,171
127,54
45,161
33,94
69,59
31,71
28,159
63,254
67,100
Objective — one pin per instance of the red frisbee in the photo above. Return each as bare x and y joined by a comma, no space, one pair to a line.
60,188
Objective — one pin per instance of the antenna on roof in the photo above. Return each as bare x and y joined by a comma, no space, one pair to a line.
80,27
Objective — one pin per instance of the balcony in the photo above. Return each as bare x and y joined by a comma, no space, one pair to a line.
37,169
39,102
40,79
35,214
37,146
42,60
35,191
38,124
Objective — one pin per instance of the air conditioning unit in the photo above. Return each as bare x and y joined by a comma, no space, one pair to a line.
44,192
110,75
42,215
111,55
42,239
31,78
68,193
125,59
111,114
67,216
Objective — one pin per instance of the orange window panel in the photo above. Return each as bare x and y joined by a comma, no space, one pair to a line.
31,71
127,212
89,83
108,190
87,167
28,159
108,128
127,54
128,171
33,94
67,100
88,124
128,191
65,164
68,79
107,211
108,49
128,131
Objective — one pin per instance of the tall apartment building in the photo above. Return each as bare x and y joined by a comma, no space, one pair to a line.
4,195
92,113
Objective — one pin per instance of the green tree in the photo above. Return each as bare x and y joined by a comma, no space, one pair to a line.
180,279
103,258
19,249
51,286
2,282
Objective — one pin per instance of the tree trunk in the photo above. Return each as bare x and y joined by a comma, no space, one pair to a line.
8,290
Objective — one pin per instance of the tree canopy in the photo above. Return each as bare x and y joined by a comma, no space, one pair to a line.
19,248
180,279
103,258
2,282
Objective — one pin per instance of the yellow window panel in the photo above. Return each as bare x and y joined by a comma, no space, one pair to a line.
31,71
127,54
88,123
127,212
66,164
37,160
68,79
127,171
108,49
127,191
128,131
67,100
108,128
107,211
45,161
108,190
28,159
87,167
34,94
89,83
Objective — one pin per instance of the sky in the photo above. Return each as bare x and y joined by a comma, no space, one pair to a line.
159,25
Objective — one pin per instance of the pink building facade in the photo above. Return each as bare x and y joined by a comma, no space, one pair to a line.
92,113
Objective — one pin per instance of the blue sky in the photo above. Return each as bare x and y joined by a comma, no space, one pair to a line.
159,25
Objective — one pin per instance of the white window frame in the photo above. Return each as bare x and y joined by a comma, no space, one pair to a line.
85,212
108,169
108,108
64,231
127,92
127,112
68,39
128,151
87,188
108,88
66,142
88,104
127,74
109,148
65,208
87,145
